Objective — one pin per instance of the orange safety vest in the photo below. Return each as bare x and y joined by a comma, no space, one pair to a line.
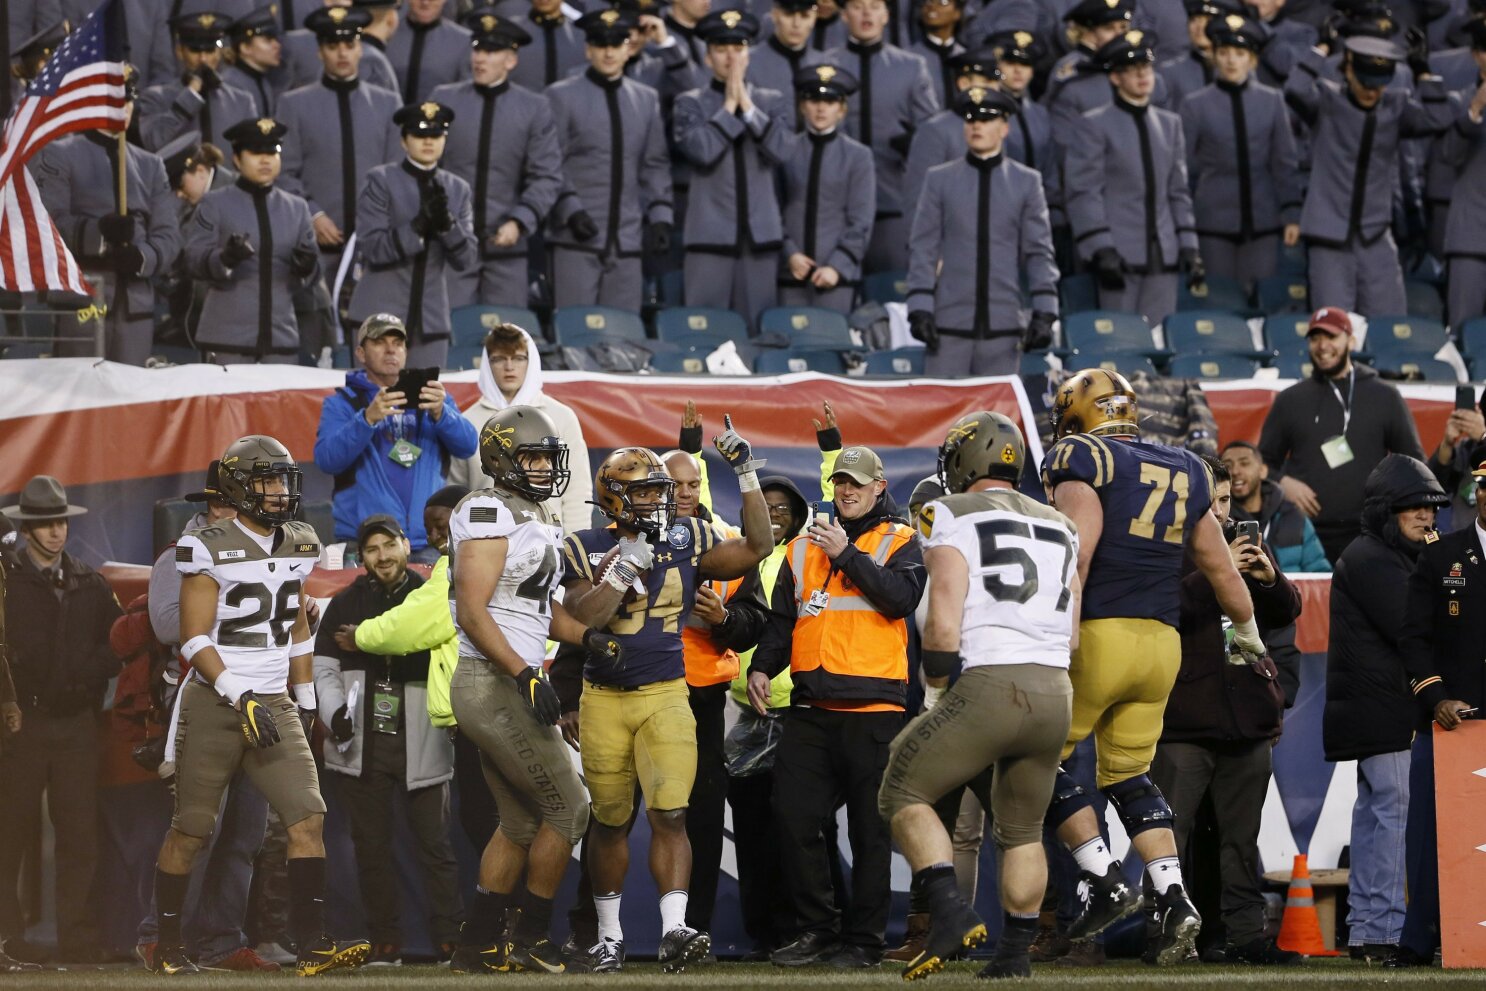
707,663
848,652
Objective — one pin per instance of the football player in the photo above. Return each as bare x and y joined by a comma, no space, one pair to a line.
504,551
250,699
1138,508
635,718
1003,607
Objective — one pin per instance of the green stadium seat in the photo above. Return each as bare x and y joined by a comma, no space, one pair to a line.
1411,336
578,326
1293,363
1283,294
699,326
899,361
463,356
1208,332
885,287
470,324
1078,293
1125,362
780,361
807,327
1096,331
1214,366
1417,367
684,361
1217,293
1424,299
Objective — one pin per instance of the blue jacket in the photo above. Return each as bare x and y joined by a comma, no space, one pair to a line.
355,453
1287,531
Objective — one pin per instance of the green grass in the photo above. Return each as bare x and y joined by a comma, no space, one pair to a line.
1315,974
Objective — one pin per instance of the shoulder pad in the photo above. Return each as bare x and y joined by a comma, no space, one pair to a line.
300,540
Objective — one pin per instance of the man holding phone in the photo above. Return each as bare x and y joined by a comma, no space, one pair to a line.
388,448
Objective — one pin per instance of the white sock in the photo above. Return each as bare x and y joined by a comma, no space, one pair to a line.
1093,857
672,911
607,908
1164,872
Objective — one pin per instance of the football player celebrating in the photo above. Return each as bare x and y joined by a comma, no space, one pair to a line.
1138,508
504,557
1003,605
636,719
245,633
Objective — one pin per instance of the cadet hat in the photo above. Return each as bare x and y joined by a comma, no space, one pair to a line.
490,32
426,120
378,523
1479,471
1237,31
178,156
1373,60
984,103
1332,320
261,135
200,32
796,6
728,27
337,23
860,464
260,23
1021,47
1092,13
30,55
824,82
212,489
43,498
379,325
1211,8
1130,48
981,62
607,28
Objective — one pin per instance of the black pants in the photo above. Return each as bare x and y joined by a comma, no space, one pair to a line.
478,815
826,759
762,896
704,812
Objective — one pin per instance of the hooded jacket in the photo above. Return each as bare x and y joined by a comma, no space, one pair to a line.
781,684
1369,707
1290,536
572,509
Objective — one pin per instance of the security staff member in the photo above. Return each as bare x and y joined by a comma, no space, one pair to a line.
616,195
829,198
1357,126
1242,155
557,45
941,138
938,44
1126,187
302,48
257,62
505,147
428,50
120,252
338,129
895,96
254,245
1442,642
417,226
849,585
965,266
732,134
1464,149
199,100
775,63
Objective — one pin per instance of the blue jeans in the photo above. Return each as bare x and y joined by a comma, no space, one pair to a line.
1421,924
1375,894
214,912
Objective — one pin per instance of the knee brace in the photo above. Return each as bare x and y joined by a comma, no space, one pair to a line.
1140,804
1068,798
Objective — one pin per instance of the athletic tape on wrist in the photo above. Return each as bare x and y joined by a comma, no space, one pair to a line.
231,686
300,649
748,481
304,694
620,576
196,645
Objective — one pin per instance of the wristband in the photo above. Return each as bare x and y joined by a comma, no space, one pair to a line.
231,686
301,648
620,577
931,696
196,645
304,694
748,481
941,663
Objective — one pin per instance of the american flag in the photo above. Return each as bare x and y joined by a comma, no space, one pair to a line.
81,88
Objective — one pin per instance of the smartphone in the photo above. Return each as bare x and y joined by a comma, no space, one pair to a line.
410,382
824,512
1250,529
1465,397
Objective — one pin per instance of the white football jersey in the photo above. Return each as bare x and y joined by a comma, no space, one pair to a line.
1023,559
258,593
522,603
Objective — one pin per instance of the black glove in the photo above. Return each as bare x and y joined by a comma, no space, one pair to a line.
604,647
341,727
901,143
436,210
1109,268
1039,332
257,722
921,326
690,440
307,723
117,228
538,694
1191,263
237,250
125,258
303,261
1330,33
209,78
1418,46
657,238
582,227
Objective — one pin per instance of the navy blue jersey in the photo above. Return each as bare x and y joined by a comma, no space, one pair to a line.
1152,496
648,623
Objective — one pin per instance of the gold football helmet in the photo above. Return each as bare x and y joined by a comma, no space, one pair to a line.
625,472
1096,401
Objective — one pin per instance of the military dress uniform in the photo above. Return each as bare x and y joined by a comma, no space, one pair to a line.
264,87
302,65
248,313
556,51
1077,82
410,242
1030,140
941,138
938,56
616,171
1288,40
774,65
966,265
1464,149
427,56
168,110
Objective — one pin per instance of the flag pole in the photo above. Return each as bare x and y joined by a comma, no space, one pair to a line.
123,176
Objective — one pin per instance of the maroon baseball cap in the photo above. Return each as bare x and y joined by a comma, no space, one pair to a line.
1332,320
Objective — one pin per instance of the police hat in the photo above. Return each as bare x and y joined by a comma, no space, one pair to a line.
337,23
1237,31
1373,60
490,32
1092,13
263,22
201,32
1016,46
607,28
427,119
984,103
824,82
728,27
981,62
1130,48
262,135
39,47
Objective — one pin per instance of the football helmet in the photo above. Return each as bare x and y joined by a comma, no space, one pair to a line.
247,466
981,445
523,430
1096,401
621,474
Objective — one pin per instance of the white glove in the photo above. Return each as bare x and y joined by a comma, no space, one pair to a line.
1246,638
636,552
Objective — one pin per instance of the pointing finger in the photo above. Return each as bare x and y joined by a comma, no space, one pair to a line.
727,420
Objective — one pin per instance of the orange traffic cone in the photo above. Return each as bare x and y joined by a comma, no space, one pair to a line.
1300,929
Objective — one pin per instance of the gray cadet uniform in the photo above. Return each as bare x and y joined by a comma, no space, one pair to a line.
1166,20
556,51
171,109
937,57
264,88
77,178
940,139
595,117
145,23
427,56
1184,76
1289,39
773,65
1464,148
1457,67
896,95
1348,208
302,65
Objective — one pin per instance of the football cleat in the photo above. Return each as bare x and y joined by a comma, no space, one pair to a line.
479,959
169,961
606,956
681,946
326,954
947,939
541,957
1179,924
1107,900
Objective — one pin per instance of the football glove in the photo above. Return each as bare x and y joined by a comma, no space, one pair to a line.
603,646
307,723
256,718
636,552
538,693
736,451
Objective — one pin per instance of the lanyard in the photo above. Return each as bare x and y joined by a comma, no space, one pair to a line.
1346,404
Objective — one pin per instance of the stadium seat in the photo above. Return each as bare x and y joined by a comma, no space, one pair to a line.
684,361
462,356
1473,340
1423,299
779,361
1283,294
1125,362
885,287
699,326
26,349
469,324
1293,362
1098,331
1214,366
1285,332
1217,293
1416,367
177,354
1208,332
1078,293
578,326
898,361
1408,336
807,327
1033,363
170,519
1291,260
670,290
